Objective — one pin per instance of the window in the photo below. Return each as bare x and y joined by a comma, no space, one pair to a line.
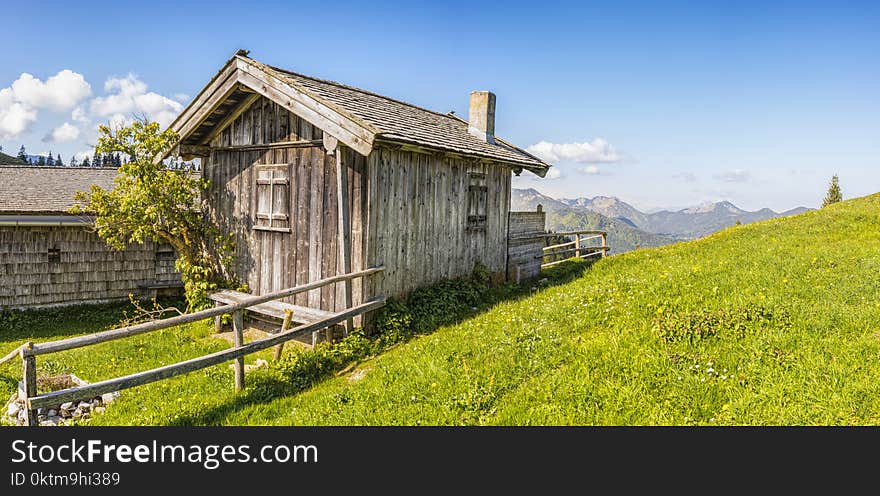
477,199
272,189
54,255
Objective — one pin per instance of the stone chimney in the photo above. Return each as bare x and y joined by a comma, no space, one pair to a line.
481,121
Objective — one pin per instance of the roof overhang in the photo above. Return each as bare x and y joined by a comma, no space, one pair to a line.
236,86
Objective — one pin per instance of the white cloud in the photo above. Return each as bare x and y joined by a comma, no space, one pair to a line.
62,134
80,115
553,173
15,117
597,151
590,169
128,96
181,97
733,176
59,93
20,102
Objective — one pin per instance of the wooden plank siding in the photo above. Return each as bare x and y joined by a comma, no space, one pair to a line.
408,210
86,269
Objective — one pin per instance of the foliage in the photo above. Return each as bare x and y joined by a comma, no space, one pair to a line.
150,202
834,195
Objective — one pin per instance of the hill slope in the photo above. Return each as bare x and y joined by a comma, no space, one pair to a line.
568,215
10,160
758,324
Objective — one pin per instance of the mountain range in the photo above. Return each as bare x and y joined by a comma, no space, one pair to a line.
629,228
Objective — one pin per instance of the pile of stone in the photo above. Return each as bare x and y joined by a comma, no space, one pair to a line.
61,414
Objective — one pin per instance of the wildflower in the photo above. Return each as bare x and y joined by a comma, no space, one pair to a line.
413,397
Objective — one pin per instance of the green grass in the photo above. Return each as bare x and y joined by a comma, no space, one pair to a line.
785,312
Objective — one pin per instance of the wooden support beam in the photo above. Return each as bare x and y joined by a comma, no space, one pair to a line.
29,379
238,342
288,316
344,226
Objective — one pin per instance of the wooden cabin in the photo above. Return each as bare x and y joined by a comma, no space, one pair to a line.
317,178
51,258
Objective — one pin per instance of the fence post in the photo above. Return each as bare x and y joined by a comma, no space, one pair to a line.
29,378
218,320
604,244
238,340
577,246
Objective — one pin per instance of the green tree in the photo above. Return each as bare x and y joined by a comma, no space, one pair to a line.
833,195
151,202
59,162
85,162
22,154
41,162
50,160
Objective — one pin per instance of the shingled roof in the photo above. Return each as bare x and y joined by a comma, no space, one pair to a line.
355,116
399,121
47,190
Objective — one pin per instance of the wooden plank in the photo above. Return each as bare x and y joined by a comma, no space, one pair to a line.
303,215
316,223
329,231
158,374
238,342
343,222
124,332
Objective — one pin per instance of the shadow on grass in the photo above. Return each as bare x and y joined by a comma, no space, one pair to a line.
267,386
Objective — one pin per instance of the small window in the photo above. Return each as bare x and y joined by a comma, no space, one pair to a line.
273,186
478,193
54,255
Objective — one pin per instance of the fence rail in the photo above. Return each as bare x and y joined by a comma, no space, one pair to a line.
29,351
560,252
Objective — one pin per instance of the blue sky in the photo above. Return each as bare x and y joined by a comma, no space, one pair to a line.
662,105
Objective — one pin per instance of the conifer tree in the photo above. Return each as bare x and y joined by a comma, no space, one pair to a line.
833,195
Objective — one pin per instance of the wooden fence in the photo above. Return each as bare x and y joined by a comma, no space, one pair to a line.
579,247
29,351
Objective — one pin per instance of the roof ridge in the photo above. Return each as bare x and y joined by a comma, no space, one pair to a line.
355,88
63,167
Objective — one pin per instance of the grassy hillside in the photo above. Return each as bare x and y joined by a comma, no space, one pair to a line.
621,236
776,322
10,160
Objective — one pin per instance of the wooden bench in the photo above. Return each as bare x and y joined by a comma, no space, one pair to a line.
276,309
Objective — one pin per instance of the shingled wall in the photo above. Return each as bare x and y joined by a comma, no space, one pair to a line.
82,270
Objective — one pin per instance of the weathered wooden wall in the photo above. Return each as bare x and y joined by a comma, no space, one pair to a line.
524,252
417,218
87,271
408,210
271,260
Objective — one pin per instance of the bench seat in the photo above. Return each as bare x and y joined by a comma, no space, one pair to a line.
276,309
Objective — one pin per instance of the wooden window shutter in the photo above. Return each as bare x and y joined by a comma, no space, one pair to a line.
477,198
273,198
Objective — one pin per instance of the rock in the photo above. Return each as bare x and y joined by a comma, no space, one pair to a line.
96,402
13,409
52,421
84,406
65,413
52,413
261,363
108,397
77,413
67,406
99,409
41,411
54,418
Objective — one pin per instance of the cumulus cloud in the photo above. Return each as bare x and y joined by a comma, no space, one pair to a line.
15,117
591,170
128,96
62,134
21,101
596,151
59,93
181,97
734,176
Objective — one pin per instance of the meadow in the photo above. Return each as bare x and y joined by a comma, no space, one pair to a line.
772,323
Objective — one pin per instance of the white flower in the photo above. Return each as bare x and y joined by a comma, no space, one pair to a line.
412,397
